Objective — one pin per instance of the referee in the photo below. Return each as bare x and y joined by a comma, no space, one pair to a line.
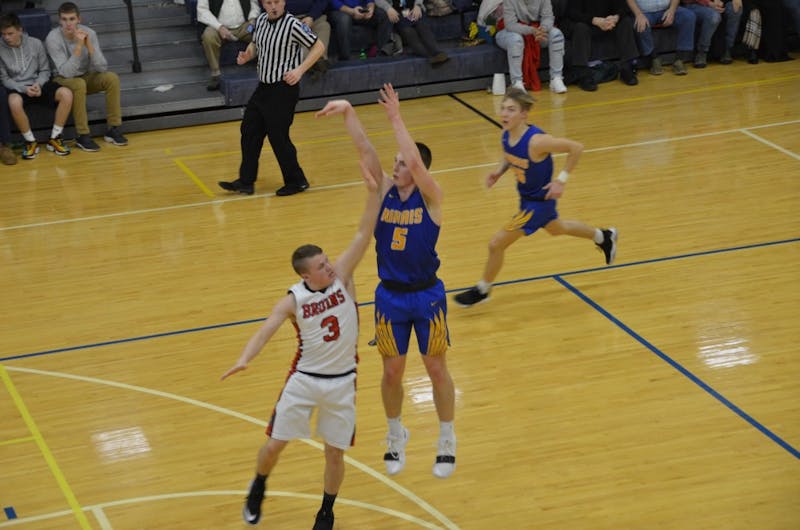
276,42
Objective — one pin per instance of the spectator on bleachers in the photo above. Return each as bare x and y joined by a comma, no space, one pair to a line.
345,13
25,72
709,14
793,6
587,19
224,20
771,40
663,13
408,17
7,155
81,66
312,14
535,18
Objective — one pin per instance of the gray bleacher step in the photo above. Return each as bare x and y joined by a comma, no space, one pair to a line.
181,98
176,36
156,57
149,80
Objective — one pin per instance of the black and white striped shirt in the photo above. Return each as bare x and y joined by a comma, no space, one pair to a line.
278,45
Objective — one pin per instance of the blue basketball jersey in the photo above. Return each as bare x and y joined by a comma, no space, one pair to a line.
405,239
531,176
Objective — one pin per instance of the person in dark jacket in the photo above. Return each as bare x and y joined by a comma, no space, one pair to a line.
591,19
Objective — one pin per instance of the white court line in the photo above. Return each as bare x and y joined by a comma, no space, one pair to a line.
773,145
358,183
98,512
362,467
105,524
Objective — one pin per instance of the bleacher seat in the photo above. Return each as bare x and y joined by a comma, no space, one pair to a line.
35,22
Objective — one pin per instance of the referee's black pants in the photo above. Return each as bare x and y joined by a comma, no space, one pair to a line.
270,113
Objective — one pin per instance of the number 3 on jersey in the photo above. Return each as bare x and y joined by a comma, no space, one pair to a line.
332,323
399,238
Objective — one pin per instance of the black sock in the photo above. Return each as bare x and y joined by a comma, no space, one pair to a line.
327,502
260,479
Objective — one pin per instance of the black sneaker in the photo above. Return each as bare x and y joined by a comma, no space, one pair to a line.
85,142
627,75
470,297
291,189
324,521
609,244
114,136
237,186
251,513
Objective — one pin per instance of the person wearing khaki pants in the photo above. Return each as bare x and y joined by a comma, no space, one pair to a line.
225,20
81,67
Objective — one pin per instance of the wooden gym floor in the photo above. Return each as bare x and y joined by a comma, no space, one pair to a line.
661,392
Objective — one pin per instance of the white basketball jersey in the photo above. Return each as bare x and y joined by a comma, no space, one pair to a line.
327,329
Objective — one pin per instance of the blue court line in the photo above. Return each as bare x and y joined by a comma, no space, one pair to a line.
676,365
10,513
364,304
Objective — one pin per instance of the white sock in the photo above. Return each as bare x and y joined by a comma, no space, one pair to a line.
598,236
484,287
57,130
446,430
29,137
395,427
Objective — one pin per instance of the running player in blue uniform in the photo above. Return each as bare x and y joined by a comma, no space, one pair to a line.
528,153
409,295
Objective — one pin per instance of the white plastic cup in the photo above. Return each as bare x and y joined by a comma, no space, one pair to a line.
499,84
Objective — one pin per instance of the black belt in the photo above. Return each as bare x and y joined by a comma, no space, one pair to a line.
327,376
410,287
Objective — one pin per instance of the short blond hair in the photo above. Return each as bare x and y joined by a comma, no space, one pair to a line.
521,97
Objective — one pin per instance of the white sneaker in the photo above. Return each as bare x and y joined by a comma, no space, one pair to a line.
395,457
557,85
519,84
445,458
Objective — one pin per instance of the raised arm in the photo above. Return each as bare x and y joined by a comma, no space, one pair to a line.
422,178
347,262
366,151
372,174
283,309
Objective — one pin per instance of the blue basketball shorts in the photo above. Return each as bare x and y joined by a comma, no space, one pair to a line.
532,216
396,313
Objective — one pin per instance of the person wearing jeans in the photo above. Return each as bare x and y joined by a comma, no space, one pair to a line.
708,14
345,13
661,13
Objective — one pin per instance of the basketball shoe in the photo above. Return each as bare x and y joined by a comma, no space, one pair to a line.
324,521
251,512
30,150
395,457
470,297
609,244
57,146
445,458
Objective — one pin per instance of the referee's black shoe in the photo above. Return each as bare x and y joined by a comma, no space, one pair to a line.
291,189
237,186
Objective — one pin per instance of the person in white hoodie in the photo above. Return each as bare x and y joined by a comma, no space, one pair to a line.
80,65
25,72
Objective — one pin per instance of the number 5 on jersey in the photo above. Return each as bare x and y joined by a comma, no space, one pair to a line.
399,238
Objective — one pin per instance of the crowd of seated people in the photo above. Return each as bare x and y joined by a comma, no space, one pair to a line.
57,73
525,26
77,66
